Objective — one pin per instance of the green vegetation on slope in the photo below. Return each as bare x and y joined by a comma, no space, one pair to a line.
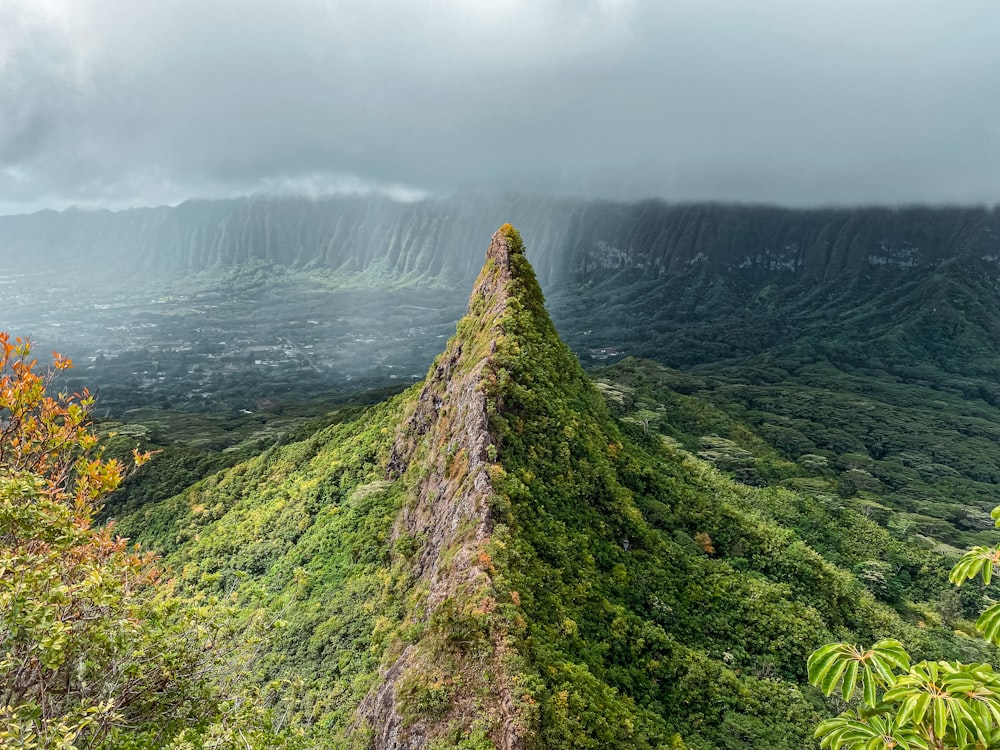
888,375
644,598
94,652
301,535
643,571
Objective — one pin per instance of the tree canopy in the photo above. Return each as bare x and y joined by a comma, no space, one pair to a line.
94,652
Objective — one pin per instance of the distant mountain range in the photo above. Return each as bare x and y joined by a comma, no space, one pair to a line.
434,241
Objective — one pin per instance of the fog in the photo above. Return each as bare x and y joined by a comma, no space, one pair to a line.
110,103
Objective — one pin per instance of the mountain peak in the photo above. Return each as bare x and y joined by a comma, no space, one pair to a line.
506,273
446,450
506,285
506,241
491,561
494,423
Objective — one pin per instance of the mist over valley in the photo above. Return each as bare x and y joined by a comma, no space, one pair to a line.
610,375
226,304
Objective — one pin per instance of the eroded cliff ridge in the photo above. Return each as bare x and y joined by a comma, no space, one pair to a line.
445,452
432,241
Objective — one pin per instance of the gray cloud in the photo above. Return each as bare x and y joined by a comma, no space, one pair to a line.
115,102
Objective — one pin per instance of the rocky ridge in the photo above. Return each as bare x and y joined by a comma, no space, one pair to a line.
445,451
491,559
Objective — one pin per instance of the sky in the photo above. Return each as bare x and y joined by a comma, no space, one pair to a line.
114,103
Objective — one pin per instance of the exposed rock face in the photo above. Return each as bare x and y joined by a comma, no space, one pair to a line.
660,239
445,449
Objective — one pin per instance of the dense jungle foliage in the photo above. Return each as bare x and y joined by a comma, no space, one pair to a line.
886,374
667,547
662,563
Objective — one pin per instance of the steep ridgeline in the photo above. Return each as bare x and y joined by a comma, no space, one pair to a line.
446,453
428,241
491,560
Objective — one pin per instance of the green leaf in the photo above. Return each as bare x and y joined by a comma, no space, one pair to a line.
850,680
994,711
892,651
821,660
940,712
989,624
977,560
833,676
884,669
868,684
920,708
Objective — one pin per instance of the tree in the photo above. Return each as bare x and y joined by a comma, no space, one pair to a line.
92,650
931,705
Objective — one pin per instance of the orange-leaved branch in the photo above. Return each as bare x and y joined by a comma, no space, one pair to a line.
86,649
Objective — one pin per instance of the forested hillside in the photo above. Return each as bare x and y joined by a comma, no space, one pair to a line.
504,556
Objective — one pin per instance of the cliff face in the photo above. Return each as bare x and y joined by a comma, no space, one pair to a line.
424,242
445,452
660,239
429,241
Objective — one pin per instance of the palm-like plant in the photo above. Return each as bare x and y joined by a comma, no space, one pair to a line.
923,706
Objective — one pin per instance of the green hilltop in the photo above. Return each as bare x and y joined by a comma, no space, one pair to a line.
511,556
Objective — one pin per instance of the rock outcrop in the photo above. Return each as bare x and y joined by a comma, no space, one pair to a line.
445,452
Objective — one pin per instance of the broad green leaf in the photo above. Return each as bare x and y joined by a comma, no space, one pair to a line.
892,651
920,709
868,684
989,624
850,680
940,714
822,660
978,560
833,676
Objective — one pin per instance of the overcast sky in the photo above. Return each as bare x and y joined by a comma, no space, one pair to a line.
141,102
